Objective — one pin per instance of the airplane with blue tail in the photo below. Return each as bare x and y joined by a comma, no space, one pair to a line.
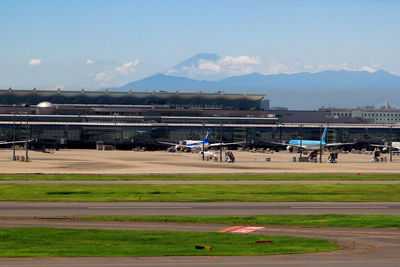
189,145
314,144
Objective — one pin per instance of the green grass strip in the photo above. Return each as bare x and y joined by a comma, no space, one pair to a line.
333,220
271,177
202,193
51,242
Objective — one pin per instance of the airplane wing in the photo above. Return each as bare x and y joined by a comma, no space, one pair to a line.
225,144
167,143
11,142
338,144
280,144
385,146
375,145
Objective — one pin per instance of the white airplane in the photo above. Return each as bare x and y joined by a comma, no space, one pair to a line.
395,146
12,142
188,145
313,144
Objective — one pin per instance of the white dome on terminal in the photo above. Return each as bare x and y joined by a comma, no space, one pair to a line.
45,108
44,104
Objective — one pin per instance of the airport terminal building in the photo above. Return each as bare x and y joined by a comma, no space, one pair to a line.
127,120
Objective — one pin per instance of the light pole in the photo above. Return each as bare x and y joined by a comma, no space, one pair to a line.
301,140
115,131
14,157
220,143
26,139
391,143
204,138
320,144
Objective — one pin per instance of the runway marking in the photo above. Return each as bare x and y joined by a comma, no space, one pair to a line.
229,229
344,207
116,207
247,230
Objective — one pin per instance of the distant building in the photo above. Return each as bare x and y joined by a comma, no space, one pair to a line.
176,99
384,115
279,108
264,104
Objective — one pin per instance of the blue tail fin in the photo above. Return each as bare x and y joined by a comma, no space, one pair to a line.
323,137
208,133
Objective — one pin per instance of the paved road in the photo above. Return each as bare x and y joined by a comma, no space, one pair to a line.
61,209
241,182
360,247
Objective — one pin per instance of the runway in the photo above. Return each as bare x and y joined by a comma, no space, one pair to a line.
204,182
78,209
360,247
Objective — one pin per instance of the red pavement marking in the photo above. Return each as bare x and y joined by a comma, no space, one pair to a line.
247,230
229,229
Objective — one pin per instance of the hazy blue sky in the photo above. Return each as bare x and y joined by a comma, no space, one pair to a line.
96,44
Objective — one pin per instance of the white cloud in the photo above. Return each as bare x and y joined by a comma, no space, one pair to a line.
238,65
34,62
104,76
276,68
296,67
90,61
218,68
240,60
342,66
209,66
123,70
127,68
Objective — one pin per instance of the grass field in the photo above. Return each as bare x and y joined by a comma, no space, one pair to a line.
51,242
333,220
304,177
208,193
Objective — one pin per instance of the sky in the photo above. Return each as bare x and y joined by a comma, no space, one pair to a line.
95,44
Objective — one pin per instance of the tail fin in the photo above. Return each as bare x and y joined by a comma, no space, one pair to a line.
323,137
208,133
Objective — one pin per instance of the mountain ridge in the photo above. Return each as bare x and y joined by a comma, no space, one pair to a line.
302,90
338,80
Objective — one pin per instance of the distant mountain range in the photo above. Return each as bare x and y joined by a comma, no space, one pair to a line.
298,91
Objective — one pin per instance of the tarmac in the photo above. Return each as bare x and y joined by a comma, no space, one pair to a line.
198,182
359,247
160,162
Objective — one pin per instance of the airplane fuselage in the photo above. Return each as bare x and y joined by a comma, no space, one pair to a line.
191,144
307,144
396,145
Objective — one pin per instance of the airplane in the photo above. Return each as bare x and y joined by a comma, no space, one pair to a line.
12,142
188,145
386,148
396,145
313,144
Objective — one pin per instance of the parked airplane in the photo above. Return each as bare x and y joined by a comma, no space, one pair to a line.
386,148
313,144
12,142
188,145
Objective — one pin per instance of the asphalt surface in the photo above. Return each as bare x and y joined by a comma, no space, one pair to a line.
77,209
240,182
360,247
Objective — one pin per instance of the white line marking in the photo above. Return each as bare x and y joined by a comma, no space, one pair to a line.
347,207
139,207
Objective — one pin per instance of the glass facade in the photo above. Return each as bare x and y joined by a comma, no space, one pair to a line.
128,132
